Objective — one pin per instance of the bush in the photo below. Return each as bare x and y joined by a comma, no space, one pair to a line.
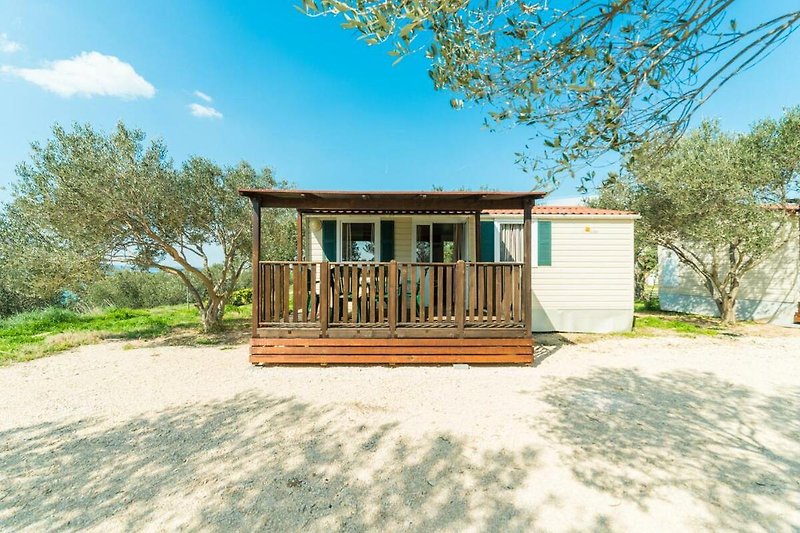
135,290
650,304
245,280
118,289
241,297
12,302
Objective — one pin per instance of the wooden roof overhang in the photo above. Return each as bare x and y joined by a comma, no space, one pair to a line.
379,202
395,202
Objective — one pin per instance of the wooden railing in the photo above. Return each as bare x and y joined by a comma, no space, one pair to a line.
390,295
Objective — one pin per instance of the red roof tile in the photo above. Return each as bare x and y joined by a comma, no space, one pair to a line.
560,210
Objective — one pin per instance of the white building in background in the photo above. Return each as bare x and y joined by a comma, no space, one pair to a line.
770,292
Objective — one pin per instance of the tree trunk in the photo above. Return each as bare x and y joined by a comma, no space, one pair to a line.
638,286
727,308
213,313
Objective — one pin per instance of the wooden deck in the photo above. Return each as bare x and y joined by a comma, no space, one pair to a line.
391,313
390,351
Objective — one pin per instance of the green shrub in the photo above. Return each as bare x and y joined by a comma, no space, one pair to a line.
241,297
135,289
245,280
12,301
650,304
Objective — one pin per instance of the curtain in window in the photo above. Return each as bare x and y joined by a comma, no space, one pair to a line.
511,249
347,242
458,237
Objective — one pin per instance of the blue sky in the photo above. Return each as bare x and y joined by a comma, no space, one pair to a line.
294,93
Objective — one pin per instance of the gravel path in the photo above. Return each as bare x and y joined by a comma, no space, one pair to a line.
615,435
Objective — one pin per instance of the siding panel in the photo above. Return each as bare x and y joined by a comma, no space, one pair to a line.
591,273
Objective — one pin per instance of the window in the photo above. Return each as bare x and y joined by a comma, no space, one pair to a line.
511,243
358,241
439,243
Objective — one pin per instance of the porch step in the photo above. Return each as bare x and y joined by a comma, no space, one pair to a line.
391,351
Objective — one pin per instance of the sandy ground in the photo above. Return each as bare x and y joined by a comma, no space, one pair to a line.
616,435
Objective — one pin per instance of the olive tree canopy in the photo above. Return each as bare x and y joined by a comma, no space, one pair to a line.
590,77
112,198
718,200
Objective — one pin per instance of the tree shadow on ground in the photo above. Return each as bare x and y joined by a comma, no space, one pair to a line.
233,333
546,345
733,450
254,462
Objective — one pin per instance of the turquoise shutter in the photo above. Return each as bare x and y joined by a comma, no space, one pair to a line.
487,242
544,242
329,239
387,240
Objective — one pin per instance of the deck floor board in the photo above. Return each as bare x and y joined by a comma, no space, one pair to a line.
391,351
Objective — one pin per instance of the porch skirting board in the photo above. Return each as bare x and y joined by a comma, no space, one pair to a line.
582,320
391,351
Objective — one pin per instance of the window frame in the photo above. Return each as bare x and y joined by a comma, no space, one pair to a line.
415,242
429,221
534,238
376,228
499,235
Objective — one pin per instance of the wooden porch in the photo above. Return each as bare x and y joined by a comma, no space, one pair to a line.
390,312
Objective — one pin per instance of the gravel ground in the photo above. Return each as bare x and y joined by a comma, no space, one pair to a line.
615,435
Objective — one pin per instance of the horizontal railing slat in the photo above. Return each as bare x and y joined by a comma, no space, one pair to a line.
375,294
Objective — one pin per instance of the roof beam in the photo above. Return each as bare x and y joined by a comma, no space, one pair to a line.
391,201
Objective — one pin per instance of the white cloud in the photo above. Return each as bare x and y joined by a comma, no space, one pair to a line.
88,74
204,111
203,96
7,45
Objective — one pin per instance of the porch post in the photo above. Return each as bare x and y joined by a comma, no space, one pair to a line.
526,267
256,230
461,297
477,229
299,235
392,299
324,295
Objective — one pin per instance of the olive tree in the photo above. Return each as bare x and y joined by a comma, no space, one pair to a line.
115,199
589,77
718,200
32,266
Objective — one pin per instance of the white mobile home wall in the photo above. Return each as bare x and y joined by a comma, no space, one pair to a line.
587,288
589,285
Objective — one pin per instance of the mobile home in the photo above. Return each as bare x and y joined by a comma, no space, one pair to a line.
437,276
